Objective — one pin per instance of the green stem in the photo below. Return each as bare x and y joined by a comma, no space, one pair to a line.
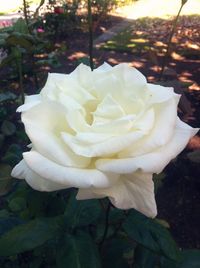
170,41
90,34
34,72
106,225
19,65
26,14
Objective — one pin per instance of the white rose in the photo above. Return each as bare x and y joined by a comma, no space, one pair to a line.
104,132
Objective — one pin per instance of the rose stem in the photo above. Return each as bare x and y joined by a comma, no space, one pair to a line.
19,67
26,15
90,34
170,40
106,225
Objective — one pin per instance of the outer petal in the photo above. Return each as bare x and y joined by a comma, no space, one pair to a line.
131,77
30,101
105,67
22,171
43,124
84,75
159,94
70,177
161,133
50,89
131,191
152,162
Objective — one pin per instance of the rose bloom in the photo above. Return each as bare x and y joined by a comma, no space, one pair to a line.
104,132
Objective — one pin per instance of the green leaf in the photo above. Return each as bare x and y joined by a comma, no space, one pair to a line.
7,96
113,253
15,149
17,204
1,140
13,154
84,60
20,26
5,179
36,263
8,128
10,158
144,258
44,204
81,213
151,235
7,60
194,156
30,235
8,223
158,180
19,40
78,251
116,215
191,259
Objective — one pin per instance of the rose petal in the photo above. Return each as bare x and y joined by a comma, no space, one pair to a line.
50,89
108,109
153,162
30,101
164,124
107,147
159,94
22,171
71,177
131,191
43,124
84,76
105,67
75,91
130,76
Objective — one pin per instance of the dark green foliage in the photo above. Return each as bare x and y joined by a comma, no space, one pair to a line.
114,252
189,259
81,213
144,258
151,235
78,251
29,235
56,230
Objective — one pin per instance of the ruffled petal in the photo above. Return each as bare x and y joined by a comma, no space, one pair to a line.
131,191
108,147
162,131
131,77
22,171
159,94
107,110
153,162
50,89
68,176
43,124
30,101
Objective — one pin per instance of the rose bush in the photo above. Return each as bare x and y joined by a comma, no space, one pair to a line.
104,132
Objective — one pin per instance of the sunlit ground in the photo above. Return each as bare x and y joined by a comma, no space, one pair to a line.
141,8
159,8
7,6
